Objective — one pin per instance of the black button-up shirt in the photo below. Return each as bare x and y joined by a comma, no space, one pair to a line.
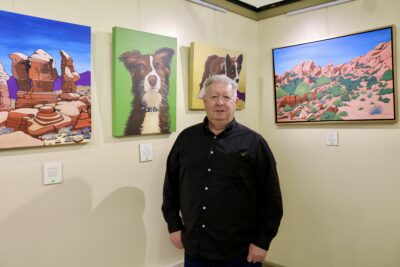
222,191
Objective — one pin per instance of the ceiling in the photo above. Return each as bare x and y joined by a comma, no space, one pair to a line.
260,3
261,9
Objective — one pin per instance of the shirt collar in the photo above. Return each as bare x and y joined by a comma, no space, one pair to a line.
227,129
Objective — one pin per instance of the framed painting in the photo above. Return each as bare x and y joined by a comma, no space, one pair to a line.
45,86
144,83
341,79
206,60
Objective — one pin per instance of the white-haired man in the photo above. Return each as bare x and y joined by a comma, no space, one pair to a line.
221,199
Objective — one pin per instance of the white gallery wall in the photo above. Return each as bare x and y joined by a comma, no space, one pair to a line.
341,203
108,210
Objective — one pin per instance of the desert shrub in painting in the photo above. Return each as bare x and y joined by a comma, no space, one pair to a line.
280,92
330,116
385,91
387,76
384,100
301,89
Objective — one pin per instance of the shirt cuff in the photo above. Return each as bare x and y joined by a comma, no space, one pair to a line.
175,225
262,241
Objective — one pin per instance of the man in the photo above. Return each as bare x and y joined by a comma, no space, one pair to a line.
221,177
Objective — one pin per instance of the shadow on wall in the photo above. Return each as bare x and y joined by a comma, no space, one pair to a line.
58,228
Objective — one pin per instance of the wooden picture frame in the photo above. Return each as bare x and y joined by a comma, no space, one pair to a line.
340,79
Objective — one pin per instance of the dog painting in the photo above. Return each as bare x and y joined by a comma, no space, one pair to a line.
207,61
146,70
229,66
150,73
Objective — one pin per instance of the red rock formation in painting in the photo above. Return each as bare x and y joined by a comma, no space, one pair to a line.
3,118
72,109
69,77
356,89
68,74
20,71
42,116
375,62
47,120
84,121
42,73
5,101
17,118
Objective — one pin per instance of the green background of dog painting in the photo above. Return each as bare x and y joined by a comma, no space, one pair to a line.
126,40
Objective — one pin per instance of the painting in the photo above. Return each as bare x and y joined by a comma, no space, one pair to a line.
45,86
342,79
144,83
206,60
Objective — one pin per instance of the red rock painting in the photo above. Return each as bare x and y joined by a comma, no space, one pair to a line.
44,101
359,89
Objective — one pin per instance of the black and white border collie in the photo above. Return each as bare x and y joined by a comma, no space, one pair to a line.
150,84
230,66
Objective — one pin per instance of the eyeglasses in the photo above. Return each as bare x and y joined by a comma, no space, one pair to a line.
225,99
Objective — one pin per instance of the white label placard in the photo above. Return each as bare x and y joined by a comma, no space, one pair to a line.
52,173
332,139
146,152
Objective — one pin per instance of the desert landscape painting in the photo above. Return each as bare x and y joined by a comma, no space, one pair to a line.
347,78
45,96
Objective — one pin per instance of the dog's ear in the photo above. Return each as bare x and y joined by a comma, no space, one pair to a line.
228,61
130,60
165,55
240,59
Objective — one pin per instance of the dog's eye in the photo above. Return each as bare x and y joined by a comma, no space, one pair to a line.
157,66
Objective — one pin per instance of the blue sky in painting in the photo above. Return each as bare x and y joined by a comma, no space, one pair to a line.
336,51
26,34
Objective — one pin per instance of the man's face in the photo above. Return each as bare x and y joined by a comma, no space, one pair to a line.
220,103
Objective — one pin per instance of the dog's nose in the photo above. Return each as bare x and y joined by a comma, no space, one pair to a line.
152,80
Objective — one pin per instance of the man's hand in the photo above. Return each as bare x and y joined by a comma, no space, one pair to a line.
256,254
176,239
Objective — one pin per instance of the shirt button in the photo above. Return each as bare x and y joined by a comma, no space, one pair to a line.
203,226
206,188
215,137
212,152
209,170
204,207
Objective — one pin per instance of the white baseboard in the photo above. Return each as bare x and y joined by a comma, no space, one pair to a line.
270,264
176,264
